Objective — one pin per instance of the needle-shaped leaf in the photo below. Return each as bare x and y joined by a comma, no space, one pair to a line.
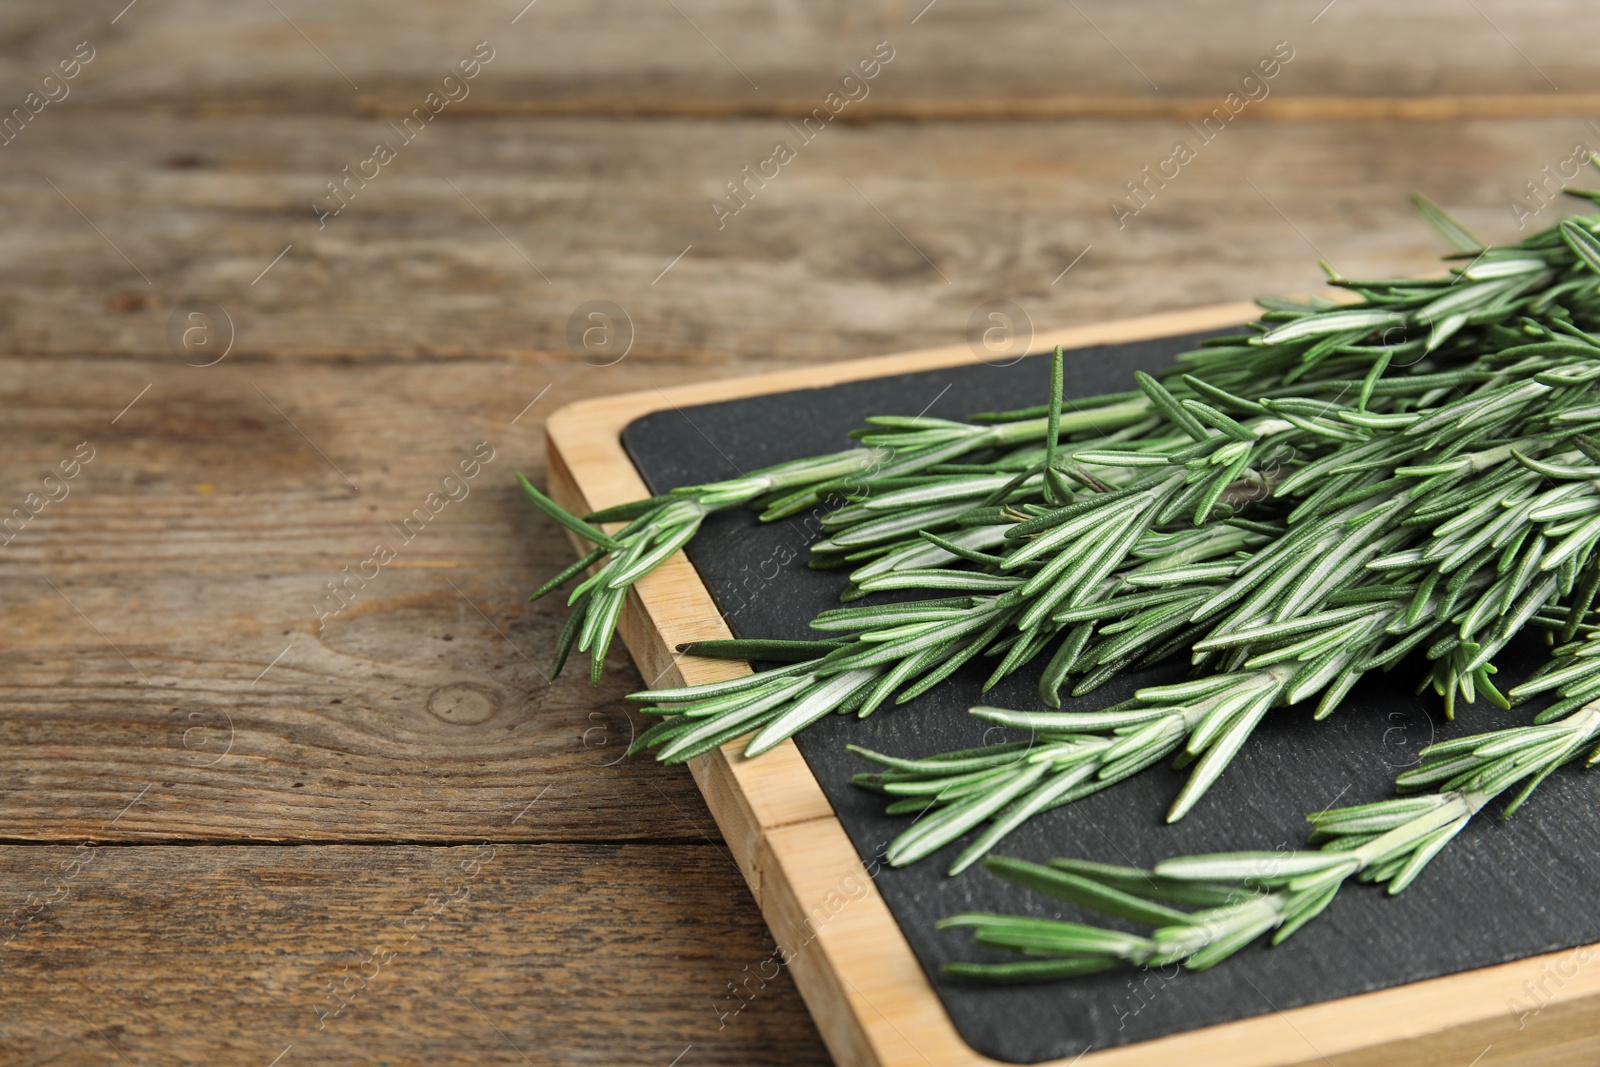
1446,226
566,518
1583,243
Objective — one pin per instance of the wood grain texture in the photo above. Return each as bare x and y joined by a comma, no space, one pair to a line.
506,954
165,623
410,330
142,609
732,57
872,240
873,1003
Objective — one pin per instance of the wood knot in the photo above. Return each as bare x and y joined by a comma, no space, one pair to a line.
462,704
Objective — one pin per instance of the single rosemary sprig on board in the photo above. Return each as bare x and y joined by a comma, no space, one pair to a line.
895,451
1240,896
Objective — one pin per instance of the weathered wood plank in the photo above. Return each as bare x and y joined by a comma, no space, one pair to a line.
812,268
571,954
169,633
743,57
163,669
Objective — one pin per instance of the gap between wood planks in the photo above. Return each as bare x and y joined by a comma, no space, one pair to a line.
1279,108
966,109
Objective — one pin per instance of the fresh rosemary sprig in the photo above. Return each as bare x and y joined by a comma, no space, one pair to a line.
895,451
1240,896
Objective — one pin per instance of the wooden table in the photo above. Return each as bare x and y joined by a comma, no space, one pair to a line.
247,821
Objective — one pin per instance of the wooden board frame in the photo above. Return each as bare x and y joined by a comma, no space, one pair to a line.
855,969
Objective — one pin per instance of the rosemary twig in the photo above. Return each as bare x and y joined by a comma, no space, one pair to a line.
895,450
1241,896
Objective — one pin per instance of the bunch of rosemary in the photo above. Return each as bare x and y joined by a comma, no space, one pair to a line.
1293,507
1143,542
1422,545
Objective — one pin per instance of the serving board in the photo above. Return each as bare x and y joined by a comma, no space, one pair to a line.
1482,961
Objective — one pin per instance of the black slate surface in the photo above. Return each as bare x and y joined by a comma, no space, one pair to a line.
1504,890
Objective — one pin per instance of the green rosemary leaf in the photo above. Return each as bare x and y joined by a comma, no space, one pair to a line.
1221,397
1452,231
1216,759
1152,886
951,762
1210,415
1053,426
631,568
1169,405
570,572
1318,325
597,638
760,649
566,518
1078,889
824,699
933,832
959,550
1582,242
748,682
569,637
1030,971
1062,662
1214,492
1074,784
628,512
